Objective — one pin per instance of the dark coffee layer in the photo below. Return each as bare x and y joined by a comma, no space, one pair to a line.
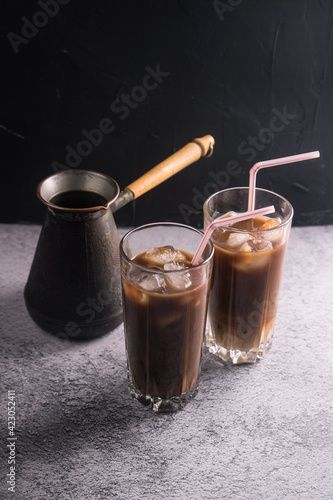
244,292
164,336
78,199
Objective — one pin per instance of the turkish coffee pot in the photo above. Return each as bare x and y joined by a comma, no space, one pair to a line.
74,289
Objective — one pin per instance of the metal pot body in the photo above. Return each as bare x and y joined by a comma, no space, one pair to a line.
73,289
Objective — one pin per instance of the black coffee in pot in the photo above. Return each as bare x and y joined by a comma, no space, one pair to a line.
78,199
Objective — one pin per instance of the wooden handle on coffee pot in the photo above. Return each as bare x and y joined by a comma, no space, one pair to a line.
187,155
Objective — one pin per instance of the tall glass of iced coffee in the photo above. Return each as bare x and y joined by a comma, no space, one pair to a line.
165,307
248,265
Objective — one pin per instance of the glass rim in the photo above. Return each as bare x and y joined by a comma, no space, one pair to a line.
287,221
163,271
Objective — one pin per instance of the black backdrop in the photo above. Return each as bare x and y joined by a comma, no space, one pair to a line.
117,86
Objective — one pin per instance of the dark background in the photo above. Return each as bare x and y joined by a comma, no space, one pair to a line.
230,69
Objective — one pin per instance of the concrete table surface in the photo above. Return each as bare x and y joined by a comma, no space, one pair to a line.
260,431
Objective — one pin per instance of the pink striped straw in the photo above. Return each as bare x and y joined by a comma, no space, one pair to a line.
273,163
226,222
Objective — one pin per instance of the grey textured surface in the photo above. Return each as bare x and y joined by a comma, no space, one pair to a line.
253,432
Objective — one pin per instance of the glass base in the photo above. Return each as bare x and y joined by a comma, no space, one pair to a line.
236,357
172,404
